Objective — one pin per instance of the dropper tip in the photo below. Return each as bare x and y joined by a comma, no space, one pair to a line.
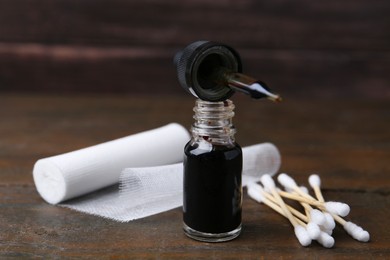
276,98
264,91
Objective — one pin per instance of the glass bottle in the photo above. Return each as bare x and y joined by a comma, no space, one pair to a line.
212,203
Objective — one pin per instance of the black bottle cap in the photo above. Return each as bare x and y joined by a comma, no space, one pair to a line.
196,66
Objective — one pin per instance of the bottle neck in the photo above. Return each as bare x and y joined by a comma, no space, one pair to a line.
213,122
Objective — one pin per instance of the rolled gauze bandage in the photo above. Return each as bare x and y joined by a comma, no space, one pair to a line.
62,177
259,159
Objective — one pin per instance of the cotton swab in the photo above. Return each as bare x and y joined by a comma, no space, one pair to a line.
304,189
325,240
338,208
255,194
312,226
315,225
341,209
257,188
351,228
334,207
300,232
313,230
317,217
315,183
269,183
289,183
329,223
356,231
258,194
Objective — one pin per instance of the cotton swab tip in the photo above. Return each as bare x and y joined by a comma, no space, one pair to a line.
327,231
304,189
356,232
363,236
325,240
314,180
268,182
337,208
258,187
317,217
255,194
286,181
302,235
313,230
329,223
253,185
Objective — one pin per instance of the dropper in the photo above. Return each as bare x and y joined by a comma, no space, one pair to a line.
213,72
252,87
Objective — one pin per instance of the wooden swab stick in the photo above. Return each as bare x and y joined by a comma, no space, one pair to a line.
300,232
315,219
338,208
290,184
315,183
305,199
265,194
269,183
254,193
334,207
352,229
301,199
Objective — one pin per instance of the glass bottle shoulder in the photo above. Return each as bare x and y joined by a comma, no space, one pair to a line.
192,148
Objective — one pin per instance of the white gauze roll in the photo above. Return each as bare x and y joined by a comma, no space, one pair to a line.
259,159
62,177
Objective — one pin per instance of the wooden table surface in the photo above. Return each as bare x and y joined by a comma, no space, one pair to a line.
346,141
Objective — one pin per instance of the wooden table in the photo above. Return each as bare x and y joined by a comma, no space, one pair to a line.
346,141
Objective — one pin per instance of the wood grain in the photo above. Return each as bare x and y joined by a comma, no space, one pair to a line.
346,142
302,48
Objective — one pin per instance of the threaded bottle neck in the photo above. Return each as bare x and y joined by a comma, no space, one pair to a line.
213,121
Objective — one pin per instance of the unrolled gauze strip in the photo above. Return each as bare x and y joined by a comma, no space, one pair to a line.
147,191
62,177
151,190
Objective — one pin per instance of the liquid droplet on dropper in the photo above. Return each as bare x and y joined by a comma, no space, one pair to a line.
261,89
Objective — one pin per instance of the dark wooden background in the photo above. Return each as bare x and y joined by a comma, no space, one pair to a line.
74,73
300,48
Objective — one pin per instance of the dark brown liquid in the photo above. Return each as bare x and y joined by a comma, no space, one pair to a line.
212,188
